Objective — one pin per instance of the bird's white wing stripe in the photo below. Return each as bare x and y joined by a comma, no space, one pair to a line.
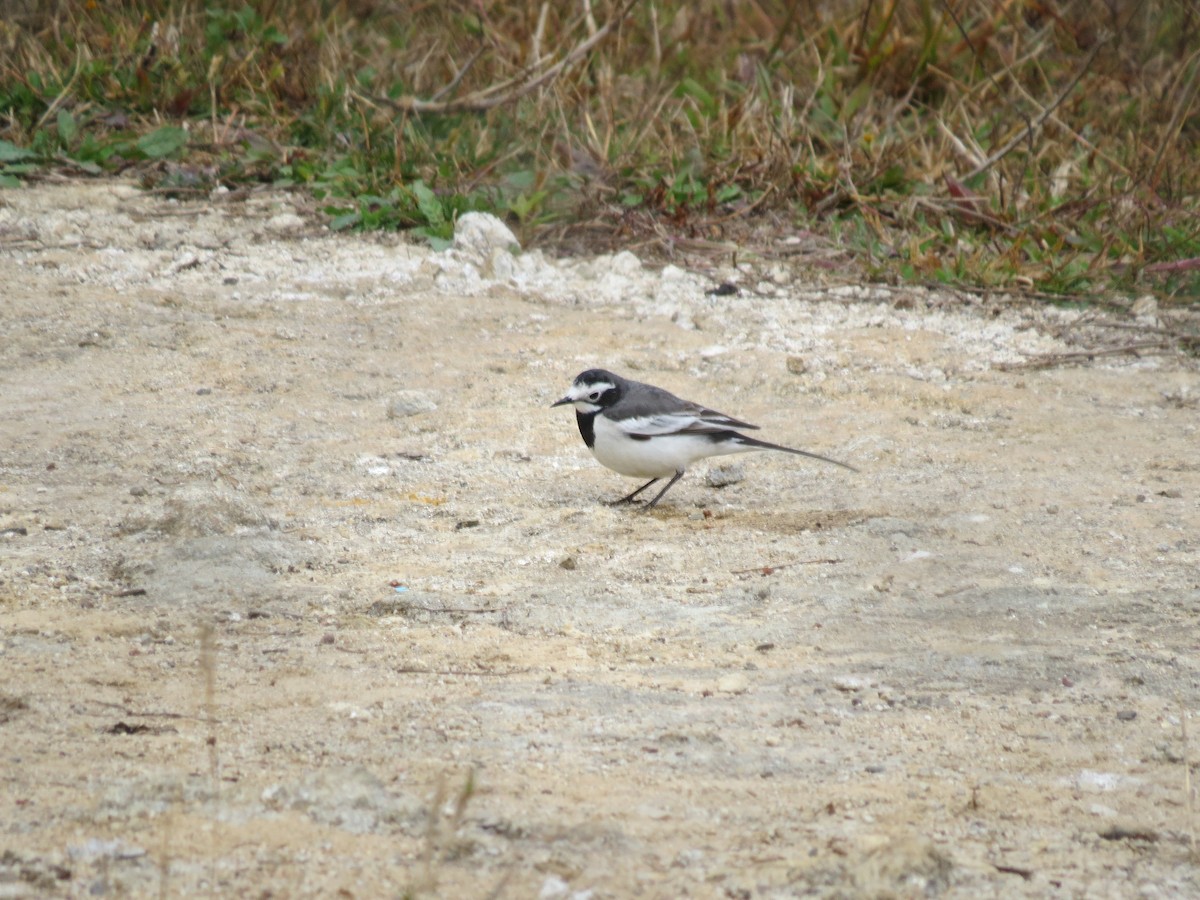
667,423
724,421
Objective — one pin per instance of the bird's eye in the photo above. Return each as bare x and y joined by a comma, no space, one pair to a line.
594,396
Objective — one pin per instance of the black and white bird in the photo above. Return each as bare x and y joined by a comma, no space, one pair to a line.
645,432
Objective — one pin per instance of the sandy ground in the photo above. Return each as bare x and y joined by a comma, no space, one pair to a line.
305,591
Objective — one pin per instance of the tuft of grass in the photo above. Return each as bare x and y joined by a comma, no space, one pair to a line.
441,842
959,142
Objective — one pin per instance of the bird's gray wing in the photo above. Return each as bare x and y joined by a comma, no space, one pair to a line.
678,423
663,412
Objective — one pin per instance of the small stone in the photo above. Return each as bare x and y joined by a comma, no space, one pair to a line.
725,475
850,684
733,683
409,403
797,365
1145,308
724,289
286,221
568,563
1126,715
328,638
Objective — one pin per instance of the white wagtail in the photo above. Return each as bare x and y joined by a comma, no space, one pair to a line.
645,432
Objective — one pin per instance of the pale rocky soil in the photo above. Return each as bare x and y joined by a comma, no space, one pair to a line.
292,545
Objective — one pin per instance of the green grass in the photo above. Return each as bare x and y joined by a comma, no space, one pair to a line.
1049,147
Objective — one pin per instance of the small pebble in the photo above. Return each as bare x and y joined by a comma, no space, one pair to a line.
409,403
328,638
285,221
725,475
1126,715
733,683
797,365
849,683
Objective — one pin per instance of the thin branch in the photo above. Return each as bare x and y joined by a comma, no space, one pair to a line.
65,91
493,673
1036,123
513,89
462,73
1049,360
772,568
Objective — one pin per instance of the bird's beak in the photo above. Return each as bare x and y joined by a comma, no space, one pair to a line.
563,402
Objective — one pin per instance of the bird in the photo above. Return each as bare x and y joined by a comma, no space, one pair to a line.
643,431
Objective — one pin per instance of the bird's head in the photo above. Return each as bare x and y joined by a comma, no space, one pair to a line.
592,391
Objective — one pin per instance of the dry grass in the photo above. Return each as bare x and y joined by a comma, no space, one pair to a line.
1021,144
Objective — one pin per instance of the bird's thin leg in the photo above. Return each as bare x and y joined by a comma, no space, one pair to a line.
628,498
650,505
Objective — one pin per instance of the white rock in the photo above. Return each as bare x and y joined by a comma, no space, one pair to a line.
850,684
553,887
733,683
480,234
626,263
286,221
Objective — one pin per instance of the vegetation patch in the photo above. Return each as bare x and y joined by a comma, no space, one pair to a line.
1017,146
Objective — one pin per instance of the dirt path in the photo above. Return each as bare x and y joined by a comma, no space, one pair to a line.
292,551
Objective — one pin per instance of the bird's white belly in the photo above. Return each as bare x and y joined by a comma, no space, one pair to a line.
658,457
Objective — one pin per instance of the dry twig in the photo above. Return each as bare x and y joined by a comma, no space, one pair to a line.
772,569
513,89
1037,122
1049,360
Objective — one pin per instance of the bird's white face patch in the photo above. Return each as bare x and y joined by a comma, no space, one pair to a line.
585,396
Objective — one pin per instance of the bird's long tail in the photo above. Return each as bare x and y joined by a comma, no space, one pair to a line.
747,441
